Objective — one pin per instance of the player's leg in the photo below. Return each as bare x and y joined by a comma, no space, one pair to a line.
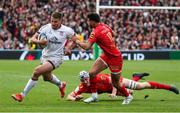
97,67
115,66
138,76
115,77
135,77
38,71
156,85
55,62
54,80
126,83
49,77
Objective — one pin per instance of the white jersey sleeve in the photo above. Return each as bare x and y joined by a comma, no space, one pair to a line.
70,33
43,29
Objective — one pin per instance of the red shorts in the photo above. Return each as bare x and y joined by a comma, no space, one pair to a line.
114,63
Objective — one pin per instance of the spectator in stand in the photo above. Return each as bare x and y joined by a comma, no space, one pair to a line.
133,28
149,29
1,43
140,2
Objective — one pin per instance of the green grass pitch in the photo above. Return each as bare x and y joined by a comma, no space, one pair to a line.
45,96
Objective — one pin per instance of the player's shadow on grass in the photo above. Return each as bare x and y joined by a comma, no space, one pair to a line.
137,100
111,100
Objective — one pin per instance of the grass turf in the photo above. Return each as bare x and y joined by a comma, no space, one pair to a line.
44,97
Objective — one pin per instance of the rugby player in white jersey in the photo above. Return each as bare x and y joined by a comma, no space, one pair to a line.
52,55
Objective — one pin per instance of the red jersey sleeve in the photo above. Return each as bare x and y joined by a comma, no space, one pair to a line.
80,89
92,38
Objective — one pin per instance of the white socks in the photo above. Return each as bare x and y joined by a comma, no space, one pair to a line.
55,80
31,83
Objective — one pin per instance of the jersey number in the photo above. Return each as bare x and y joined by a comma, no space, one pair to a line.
109,35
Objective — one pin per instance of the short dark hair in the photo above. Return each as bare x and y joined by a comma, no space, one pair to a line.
94,17
57,15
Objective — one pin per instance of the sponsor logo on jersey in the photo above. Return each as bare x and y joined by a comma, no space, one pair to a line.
54,40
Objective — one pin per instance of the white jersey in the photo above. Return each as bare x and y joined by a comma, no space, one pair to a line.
56,40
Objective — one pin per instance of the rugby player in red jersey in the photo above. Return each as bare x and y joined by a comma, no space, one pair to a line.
111,57
104,85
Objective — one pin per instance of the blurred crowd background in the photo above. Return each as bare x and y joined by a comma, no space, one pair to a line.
135,29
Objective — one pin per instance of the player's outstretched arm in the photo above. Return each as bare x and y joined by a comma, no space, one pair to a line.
73,97
84,45
69,46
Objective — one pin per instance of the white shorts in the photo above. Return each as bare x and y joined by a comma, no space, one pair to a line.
56,62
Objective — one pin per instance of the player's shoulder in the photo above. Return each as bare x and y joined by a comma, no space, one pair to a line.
99,28
64,27
45,27
81,86
103,26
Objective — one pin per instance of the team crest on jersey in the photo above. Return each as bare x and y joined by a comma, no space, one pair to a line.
61,33
50,32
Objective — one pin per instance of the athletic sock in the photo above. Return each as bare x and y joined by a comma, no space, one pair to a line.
156,85
55,80
124,91
31,83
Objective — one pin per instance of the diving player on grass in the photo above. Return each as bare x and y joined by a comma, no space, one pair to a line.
104,85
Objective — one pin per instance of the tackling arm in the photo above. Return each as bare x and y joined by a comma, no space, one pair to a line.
84,45
69,46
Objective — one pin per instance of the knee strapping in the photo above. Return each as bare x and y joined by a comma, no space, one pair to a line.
132,85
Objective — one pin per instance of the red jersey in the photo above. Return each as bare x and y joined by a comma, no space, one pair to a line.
103,36
103,85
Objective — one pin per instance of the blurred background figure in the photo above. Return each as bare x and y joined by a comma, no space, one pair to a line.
135,29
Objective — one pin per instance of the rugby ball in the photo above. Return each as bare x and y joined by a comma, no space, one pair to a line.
42,36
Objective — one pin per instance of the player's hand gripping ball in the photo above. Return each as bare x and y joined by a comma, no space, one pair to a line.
42,37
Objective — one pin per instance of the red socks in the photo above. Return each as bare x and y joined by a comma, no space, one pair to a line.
124,91
155,85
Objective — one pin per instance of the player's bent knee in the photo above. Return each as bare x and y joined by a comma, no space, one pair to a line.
37,72
46,79
140,86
